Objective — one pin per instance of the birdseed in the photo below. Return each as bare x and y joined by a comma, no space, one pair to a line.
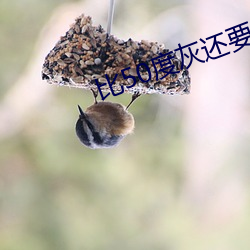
87,53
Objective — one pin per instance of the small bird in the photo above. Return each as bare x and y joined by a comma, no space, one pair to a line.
104,124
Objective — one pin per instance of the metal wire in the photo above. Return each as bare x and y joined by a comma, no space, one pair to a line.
110,15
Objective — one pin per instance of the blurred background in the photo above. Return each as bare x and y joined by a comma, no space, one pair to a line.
180,182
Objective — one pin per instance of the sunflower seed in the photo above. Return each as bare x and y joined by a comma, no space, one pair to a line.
77,29
78,70
85,46
77,57
69,60
154,49
132,72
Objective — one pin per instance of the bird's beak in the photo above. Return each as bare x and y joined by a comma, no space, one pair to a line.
82,115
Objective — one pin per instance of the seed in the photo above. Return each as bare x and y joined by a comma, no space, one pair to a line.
88,62
69,60
93,42
144,77
85,46
84,28
103,37
135,45
64,43
77,29
132,72
83,21
90,72
91,33
78,51
88,76
95,76
102,80
126,56
98,61
130,80
128,50
154,49
61,62
145,42
71,32
120,42
82,62
78,70
118,58
77,57
68,54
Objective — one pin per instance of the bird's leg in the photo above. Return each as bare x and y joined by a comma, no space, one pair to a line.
134,97
95,94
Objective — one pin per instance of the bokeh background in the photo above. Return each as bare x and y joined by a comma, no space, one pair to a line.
180,182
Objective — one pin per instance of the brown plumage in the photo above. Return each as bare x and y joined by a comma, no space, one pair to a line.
110,117
104,124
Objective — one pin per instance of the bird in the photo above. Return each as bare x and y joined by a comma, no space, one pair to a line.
104,124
